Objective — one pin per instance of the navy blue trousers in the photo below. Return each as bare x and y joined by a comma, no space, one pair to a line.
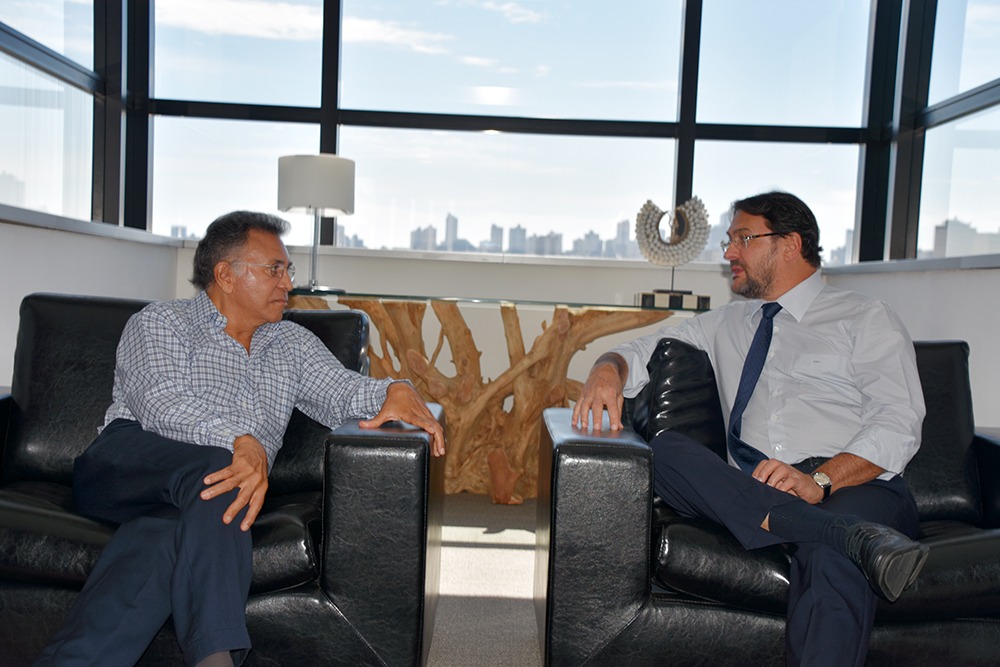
171,555
831,606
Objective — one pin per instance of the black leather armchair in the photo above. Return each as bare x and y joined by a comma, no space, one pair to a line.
622,580
347,549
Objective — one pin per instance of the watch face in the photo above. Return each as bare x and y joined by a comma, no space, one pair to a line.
821,478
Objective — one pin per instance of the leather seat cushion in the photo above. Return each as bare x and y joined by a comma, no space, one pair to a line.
42,541
702,559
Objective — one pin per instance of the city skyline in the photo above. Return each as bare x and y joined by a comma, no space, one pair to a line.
952,237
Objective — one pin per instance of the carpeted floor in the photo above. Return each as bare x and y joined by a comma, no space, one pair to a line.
485,615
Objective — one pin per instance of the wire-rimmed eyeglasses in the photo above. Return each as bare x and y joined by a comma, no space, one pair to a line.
746,238
274,270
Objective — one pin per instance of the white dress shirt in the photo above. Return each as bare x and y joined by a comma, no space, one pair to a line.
840,375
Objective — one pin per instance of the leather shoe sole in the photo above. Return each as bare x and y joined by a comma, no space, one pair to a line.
890,560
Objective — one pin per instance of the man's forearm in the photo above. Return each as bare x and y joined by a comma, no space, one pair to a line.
849,470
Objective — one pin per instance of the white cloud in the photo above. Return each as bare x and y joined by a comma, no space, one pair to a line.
358,30
243,18
478,62
494,95
513,12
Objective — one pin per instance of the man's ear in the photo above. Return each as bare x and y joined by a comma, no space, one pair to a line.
792,246
225,277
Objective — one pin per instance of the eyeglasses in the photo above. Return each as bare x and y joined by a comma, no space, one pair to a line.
746,238
274,270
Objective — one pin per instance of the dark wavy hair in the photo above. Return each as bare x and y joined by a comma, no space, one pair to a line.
786,213
227,234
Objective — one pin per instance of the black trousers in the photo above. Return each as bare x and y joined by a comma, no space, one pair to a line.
831,607
171,555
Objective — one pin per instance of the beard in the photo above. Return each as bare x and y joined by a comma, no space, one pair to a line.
757,284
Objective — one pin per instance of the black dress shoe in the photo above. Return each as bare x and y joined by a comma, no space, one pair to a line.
889,559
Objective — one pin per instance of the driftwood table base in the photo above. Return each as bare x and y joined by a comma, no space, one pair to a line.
493,425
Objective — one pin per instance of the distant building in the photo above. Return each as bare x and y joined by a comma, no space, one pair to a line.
589,246
517,242
423,238
11,189
622,246
550,244
450,233
353,241
181,232
954,238
495,244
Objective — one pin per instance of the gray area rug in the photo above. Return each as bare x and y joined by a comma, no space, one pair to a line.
485,615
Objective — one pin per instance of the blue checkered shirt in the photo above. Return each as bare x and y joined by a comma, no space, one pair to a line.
181,376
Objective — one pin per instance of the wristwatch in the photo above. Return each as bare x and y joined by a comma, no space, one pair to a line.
823,481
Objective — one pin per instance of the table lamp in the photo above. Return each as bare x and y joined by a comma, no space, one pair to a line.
322,184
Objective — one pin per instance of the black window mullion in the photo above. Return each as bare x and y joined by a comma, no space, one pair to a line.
687,102
23,48
138,123
106,197
330,96
906,168
873,176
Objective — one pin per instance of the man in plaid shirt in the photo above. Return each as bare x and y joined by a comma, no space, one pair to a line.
203,392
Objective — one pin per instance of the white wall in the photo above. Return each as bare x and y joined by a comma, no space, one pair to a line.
935,302
47,260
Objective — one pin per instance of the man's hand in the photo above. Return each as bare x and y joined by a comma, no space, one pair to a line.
602,391
248,471
785,478
403,403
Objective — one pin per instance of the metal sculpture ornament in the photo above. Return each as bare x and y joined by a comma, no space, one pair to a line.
688,233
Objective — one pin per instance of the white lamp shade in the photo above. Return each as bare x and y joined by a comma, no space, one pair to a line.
321,183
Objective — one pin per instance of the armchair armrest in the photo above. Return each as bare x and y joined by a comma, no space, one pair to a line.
6,404
592,567
987,444
382,504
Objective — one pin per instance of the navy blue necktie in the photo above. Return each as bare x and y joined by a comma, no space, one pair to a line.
746,456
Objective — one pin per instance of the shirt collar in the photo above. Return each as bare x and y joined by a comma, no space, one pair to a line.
206,312
797,300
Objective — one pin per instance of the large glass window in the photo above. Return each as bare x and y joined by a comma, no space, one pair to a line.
783,62
204,168
65,26
46,142
966,47
960,197
537,58
510,192
824,176
244,51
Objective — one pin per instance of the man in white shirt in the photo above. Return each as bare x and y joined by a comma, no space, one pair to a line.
828,429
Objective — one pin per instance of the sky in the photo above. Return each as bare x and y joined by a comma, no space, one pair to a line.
538,58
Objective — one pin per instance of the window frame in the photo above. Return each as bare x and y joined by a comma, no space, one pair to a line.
891,139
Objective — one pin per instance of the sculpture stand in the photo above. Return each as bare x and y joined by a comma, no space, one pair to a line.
493,425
